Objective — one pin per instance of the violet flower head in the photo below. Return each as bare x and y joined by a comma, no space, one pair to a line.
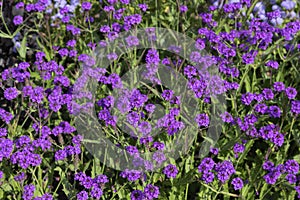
237,183
272,177
18,20
249,58
96,192
291,178
268,165
288,4
214,151
137,195
227,117
132,41
143,7
170,171
295,108
83,195
291,166
208,177
145,127
28,192
202,120
206,165
272,64
167,94
183,8
86,6
151,191
238,148
279,86
11,93
290,92
268,94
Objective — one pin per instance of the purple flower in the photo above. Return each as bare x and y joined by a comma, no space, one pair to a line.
247,98
46,196
206,165
268,94
60,155
183,8
291,166
158,145
20,177
208,177
151,191
272,64
268,165
20,5
159,157
290,92
297,188
137,195
227,117
288,4
11,93
150,108
202,120
126,2
105,29
170,171
100,179
18,20
6,116
146,140
167,94
291,178
224,170
131,175
96,192
86,6
261,108
137,99
214,151
238,148
63,52
143,7
295,108
274,111
249,58
83,195
3,132
28,192
132,41
6,147
279,86
152,57
206,17
237,183
272,177
144,127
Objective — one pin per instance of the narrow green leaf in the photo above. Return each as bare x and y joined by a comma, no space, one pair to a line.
23,48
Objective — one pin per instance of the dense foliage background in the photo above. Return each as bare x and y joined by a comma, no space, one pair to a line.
255,46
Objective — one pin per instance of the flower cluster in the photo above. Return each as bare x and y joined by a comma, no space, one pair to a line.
47,70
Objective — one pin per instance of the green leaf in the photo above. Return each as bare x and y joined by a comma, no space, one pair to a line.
5,35
247,149
297,158
247,84
187,178
48,55
23,48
